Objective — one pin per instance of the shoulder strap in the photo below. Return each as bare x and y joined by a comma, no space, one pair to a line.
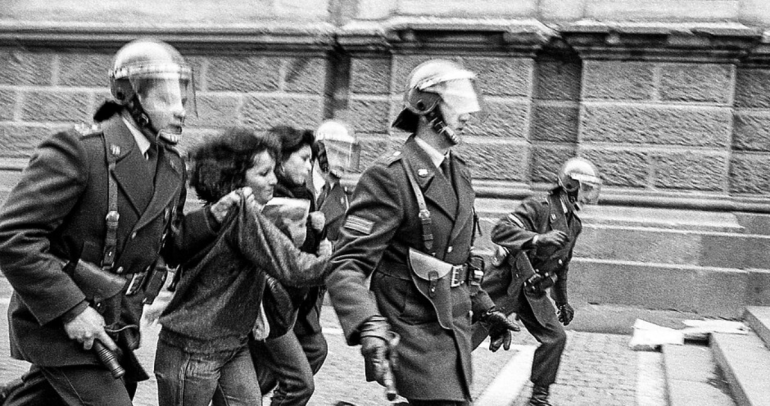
427,233
111,237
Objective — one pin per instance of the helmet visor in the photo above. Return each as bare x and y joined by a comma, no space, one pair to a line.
343,156
461,95
166,94
590,187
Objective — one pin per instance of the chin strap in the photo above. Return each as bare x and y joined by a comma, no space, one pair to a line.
438,125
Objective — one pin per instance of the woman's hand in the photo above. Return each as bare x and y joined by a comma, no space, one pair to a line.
325,248
317,221
219,209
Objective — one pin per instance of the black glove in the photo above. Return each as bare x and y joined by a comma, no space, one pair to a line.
553,237
566,313
499,329
374,348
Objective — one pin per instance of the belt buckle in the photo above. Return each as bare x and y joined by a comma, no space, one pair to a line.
457,277
136,283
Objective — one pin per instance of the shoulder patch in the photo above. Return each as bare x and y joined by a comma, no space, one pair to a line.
515,220
359,224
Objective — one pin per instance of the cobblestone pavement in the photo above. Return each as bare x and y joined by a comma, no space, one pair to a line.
597,369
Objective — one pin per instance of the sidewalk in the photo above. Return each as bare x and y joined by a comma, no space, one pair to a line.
597,370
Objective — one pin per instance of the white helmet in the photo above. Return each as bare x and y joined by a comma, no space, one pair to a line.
580,179
336,148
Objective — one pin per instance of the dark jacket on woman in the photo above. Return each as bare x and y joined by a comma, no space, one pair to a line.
217,300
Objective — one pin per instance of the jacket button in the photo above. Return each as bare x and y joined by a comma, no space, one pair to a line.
449,249
133,235
119,270
561,262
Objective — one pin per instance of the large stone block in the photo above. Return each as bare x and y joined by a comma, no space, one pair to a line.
752,88
615,80
555,123
371,76
216,110
503,119
558,80
561,10
77,69
690,170
403,65
697,83
752,131
192,137
264,112
56,105
25,68
243,74
669,125
546,161
495,160
639,244
749,173
657,10
374,147
755,12
624,168
305,75
371,114
318,9
20,140
7,104
511,77
462,8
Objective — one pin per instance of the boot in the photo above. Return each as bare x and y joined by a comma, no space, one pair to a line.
539,396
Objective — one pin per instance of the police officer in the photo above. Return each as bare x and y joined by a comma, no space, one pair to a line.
535,244
410,226
110,195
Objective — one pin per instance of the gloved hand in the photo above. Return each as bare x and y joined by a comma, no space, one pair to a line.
499,329
374,348
553,237
565,313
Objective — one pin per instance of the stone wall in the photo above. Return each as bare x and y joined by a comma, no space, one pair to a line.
668,99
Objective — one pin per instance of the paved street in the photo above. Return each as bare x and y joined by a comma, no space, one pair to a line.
597,370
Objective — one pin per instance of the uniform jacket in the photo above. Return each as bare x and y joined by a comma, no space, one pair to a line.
535,215
380,225
58,209
217,300
334,207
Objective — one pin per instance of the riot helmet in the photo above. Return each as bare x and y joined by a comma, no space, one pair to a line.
152,80
336,148
579,178
434,90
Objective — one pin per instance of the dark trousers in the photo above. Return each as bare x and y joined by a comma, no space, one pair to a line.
551,336
289,361
438,403
71,386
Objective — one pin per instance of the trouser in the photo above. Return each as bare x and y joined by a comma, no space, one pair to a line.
438,403
551,336
70,386
289,361
195,379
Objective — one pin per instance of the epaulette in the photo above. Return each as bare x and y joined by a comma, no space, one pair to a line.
459,158
391,158
85,130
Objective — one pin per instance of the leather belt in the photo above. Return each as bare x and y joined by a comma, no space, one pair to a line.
135,282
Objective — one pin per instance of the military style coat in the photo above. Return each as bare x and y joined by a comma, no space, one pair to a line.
58,209
534,215
382,223
334,206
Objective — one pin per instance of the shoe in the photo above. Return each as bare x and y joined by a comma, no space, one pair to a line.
539,396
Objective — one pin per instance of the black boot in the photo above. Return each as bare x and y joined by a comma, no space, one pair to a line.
539,396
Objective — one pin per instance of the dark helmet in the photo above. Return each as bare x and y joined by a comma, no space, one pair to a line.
580,179
148,63
432,82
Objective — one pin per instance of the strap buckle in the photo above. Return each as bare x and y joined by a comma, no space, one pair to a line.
136,283
458,276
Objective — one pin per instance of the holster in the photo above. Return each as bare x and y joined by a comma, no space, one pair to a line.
128,341
96,284
435,278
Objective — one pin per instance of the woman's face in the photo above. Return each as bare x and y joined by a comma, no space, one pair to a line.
261,177
297,166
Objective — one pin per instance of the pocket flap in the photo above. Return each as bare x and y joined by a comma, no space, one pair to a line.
423,264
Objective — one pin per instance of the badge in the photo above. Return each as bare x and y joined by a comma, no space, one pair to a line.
422,173
115,150
553,217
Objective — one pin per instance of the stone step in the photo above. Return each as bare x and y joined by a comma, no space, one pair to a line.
758,318
674,246
745,362
708,291
693,378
